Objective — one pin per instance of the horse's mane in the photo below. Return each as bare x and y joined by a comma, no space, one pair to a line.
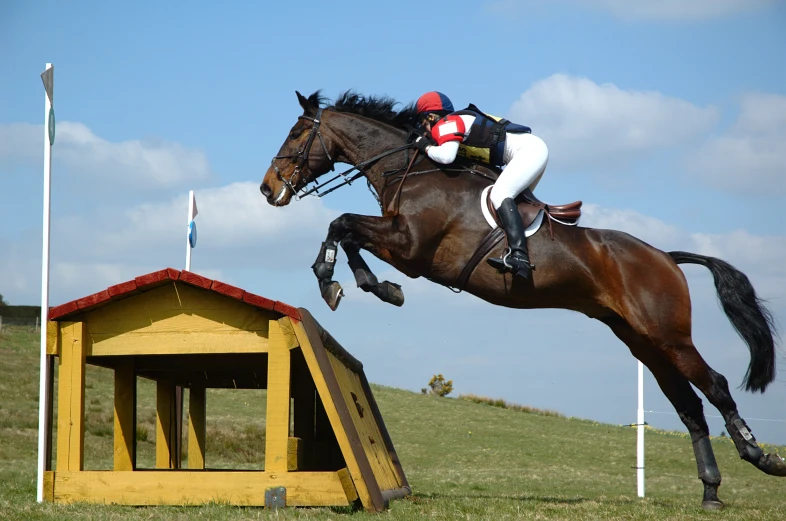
379,108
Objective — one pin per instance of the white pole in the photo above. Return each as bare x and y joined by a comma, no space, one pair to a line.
43,386
640,435
191,214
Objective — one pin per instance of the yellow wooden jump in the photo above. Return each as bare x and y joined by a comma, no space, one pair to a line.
185,331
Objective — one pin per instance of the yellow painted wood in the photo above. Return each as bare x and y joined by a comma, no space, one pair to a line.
288,332
368,430
125,416
293,454
71,397
49,486
178,318
330,409
52,329
191,488
348,485
166,431
278,386
197,413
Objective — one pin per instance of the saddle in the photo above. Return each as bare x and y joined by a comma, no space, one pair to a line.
529,207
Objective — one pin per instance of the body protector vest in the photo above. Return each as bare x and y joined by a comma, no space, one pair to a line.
485,141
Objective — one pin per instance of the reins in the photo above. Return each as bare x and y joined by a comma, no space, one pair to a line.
301,160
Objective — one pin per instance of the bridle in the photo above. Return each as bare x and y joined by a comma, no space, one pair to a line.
301,160
301,157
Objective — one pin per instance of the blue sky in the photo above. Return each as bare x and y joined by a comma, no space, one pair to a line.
668,119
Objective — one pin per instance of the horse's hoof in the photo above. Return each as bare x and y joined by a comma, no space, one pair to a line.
772,464
391,293
332,294
713,505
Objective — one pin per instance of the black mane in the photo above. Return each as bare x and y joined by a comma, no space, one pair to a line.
379,108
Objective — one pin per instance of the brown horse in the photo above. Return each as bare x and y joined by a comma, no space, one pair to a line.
431,225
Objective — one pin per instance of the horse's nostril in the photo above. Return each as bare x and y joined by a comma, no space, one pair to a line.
265,189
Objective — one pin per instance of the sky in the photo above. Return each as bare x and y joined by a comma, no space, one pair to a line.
667,118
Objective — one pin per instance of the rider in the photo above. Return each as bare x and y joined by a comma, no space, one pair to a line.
496,142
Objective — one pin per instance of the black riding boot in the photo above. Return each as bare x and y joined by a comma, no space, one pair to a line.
517,259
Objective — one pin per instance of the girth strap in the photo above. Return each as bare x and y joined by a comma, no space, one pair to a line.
489,242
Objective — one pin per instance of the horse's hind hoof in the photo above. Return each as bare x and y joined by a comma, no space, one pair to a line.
332,294
713,505
773,465
391,293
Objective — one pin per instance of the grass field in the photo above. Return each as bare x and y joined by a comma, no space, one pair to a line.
464,460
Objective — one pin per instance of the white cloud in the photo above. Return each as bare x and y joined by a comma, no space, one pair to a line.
751,155
142,165
234,223
588,123
656,10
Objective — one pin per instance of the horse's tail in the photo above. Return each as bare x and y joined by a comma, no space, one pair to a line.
747,314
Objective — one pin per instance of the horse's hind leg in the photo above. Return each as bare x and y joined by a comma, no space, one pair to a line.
686,402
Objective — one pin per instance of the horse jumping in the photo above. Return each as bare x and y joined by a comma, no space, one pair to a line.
432,226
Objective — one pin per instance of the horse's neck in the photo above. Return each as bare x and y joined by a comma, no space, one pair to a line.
362,138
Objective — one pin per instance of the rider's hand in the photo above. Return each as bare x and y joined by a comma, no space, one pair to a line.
421,143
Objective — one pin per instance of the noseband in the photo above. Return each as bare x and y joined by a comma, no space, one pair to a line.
301,157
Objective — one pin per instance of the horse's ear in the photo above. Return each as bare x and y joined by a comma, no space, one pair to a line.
309,106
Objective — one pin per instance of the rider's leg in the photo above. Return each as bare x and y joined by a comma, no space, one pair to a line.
525,157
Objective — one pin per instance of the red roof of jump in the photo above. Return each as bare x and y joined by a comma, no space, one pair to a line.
157,278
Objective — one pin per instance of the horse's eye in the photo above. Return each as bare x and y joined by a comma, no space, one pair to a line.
295,134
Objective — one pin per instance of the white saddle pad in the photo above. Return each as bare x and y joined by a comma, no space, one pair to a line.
531,229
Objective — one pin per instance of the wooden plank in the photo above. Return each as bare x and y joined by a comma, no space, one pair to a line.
71,397
191,488
349,486
49,486
278,394
336,408
197,425
293,454
178,318
288,331
183,342
166,439
362,416
52,330
125,416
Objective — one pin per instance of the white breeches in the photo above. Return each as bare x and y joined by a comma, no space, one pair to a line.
525,161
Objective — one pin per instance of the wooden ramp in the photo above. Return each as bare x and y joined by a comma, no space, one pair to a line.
325,442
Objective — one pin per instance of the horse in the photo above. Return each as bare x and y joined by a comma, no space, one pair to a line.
432,226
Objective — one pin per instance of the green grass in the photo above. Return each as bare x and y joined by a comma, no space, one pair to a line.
464,460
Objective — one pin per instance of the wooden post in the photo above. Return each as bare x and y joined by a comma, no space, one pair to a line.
166,430
125,416
278,395
71,398
197,412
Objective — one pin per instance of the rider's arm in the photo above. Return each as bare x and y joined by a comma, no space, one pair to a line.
444,153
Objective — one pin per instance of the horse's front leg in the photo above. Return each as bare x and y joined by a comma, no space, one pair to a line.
382,236
386,291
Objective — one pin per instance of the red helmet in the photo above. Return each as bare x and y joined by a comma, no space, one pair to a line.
434,102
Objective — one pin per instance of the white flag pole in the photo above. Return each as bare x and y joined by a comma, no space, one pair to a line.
44,377
191,233
640,435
